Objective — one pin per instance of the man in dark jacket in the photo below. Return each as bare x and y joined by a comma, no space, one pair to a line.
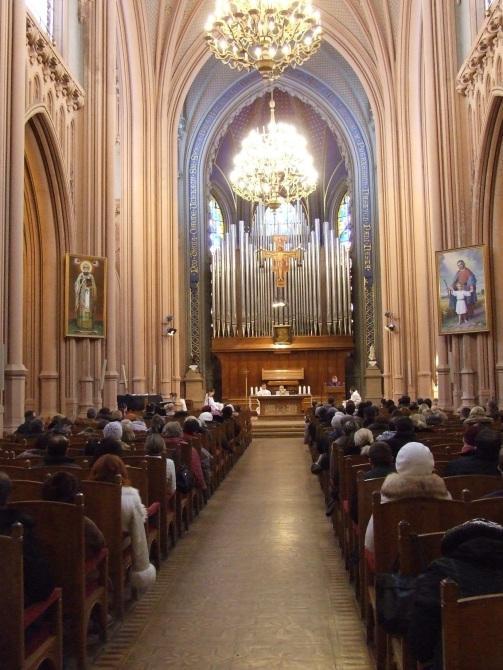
472,556
405,433
484,461
38,584
56,452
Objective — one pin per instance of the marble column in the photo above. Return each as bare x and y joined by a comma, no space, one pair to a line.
436,212
111,373
15,371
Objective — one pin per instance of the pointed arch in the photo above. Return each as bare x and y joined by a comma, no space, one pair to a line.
48,217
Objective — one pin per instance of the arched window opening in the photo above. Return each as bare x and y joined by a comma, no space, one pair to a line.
280,221
344,220
43,12
215,224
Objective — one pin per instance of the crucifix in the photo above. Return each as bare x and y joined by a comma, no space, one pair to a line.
280,258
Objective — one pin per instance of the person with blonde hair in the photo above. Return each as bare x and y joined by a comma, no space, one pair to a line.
363,439
156,446
133,516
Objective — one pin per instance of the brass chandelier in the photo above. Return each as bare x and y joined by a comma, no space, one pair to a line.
266,35
274,165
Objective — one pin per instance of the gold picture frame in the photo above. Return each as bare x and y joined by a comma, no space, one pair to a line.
282,333
85,296
463,299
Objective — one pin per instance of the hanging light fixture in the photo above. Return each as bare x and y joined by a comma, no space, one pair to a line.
266,35
274,165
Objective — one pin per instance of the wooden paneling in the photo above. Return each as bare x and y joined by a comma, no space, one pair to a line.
242,366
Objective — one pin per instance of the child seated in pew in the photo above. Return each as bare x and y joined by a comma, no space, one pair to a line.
156,446
63,487
133,514
38,584
472,556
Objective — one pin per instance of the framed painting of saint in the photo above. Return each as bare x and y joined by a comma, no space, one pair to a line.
463,290
85,296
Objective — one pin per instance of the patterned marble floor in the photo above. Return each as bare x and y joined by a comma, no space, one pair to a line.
256,583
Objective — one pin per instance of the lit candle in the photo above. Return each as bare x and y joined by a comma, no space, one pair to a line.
251,390
299,390
308,390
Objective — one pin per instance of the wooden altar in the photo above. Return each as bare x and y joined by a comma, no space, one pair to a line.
283,405
244,359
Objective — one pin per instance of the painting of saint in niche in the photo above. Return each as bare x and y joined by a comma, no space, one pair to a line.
463,284
85,296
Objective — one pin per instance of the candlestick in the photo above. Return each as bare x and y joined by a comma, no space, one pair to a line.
102,377
124,378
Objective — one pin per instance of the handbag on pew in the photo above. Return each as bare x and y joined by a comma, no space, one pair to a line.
184,480
395,595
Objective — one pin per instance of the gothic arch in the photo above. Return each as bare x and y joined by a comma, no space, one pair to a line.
357,151
47,225
487,228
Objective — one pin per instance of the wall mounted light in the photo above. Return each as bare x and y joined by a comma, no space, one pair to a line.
390,325
170,331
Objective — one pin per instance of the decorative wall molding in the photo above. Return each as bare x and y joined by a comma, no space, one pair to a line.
489,41
42,52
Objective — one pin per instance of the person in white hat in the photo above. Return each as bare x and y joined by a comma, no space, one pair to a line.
414,478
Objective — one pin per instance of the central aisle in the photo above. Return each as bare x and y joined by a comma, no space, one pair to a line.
256,583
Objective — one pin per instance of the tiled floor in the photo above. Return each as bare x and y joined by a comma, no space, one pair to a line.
256,583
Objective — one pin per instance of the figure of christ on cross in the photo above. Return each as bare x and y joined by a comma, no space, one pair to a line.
280,258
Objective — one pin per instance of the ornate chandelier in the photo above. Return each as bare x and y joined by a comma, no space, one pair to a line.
274,165
267,35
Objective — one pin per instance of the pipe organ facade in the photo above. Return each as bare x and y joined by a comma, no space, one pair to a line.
316,298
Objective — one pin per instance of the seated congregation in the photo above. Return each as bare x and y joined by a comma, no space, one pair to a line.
415,496
89,510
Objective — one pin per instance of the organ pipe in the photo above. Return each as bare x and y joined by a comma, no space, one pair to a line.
240,278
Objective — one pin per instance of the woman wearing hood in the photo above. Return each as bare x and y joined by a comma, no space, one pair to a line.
472,556
414,478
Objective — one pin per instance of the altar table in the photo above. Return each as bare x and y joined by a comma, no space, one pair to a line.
283,405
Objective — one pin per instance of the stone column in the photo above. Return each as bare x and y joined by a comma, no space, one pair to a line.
15,372
436,211
111,374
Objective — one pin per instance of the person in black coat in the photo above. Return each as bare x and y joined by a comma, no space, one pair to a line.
56,452
38,584
405,433
472,556
484,461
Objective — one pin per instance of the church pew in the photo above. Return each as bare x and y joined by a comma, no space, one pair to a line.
471,629
19,648
477,485
425,515
103,506
365,491
158,492
59,528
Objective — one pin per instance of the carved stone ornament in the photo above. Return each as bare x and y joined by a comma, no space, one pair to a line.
490,35
41,50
